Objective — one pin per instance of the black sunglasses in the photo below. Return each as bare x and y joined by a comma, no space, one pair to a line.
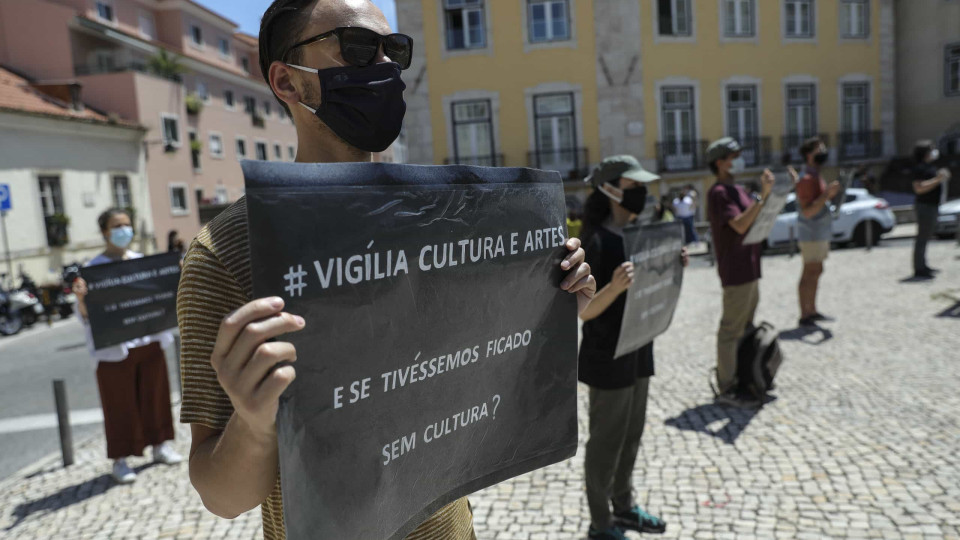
359,46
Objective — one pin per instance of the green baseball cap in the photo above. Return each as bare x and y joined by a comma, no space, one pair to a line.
721,148
614,167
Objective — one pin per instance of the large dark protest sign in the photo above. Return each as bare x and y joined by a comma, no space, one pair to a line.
654,251
767,217
439,355
132,299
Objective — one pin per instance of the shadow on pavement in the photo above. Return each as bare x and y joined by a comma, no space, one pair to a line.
801,333
916,279
702,417
951,312
67,496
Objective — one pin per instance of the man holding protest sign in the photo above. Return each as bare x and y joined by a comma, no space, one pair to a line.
618,385
732,212
233,371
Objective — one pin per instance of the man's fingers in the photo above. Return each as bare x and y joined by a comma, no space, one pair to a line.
576,257
581,271
587,286
264,360
234,323
256,333
273,386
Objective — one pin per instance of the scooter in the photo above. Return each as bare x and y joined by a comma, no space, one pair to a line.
10,320
25,299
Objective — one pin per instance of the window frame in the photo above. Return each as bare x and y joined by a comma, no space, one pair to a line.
164,116
445,10
738,36
291,153
844,23
489,121
951,56
690,33
549,22
185,209
219,136
257,144
56,194
867,102
572,114
195,32
812,13
814,103
146,15
277,151
754,88
220,46
236,147
245,64
109,4
114,183
229,104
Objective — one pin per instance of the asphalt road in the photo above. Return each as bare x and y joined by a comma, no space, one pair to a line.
29,362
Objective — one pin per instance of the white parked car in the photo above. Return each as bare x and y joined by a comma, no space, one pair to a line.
849,224
949,221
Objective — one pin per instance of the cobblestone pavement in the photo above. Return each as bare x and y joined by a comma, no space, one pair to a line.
862,440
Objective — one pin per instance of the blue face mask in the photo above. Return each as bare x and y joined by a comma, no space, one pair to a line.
121,236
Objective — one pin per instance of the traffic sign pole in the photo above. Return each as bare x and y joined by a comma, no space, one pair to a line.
6,242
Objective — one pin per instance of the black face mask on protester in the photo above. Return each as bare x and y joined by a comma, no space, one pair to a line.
362,105
635,199
821,158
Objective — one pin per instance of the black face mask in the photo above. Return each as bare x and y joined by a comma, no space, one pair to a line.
362,105
635,199
821,158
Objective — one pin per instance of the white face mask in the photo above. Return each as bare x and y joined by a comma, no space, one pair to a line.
738,165
934,154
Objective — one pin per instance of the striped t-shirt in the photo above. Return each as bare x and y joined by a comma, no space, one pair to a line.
216,281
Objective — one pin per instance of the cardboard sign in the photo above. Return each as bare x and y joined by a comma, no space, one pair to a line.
654,251
131,299
439,356
767,218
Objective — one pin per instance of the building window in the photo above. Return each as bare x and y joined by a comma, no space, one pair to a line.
952,70
245,62
292,152
194,149
801,116
178,199
222,195
738,18
228,99
224,47
675,17
148,26
473,133
105,11
262,151
51,202
241,149
466,26
556,132
679,146
742,119
171,129
196,34
548,20
277,152
799,19
121,192
855,120
249,104
855,18
202,91
216,145
267,108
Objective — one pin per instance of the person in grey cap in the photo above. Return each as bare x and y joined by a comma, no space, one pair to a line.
618,385
732,212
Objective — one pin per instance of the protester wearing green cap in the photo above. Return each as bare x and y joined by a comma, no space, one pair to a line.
732,212
618,386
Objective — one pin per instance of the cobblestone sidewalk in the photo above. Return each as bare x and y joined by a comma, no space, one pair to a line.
862,440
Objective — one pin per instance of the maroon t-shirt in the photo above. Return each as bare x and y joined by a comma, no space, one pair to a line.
737,264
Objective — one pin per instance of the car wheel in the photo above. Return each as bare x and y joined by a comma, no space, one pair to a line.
860,234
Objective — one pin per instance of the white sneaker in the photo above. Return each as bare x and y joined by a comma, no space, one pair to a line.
165,454
122,472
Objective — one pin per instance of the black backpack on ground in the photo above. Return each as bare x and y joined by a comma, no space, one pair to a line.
758,359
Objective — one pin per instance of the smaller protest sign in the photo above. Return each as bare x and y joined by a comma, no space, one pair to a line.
654,251
767,218
132,299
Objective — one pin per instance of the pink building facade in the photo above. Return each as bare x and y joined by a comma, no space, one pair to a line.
200,123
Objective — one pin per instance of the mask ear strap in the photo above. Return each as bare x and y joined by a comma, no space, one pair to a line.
609,193
307,107
301,68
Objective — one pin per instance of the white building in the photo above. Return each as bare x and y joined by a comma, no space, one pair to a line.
64,165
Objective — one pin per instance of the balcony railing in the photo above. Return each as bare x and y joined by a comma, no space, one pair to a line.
685,155
89,69
494,160
792,143
856,145
756,151
571,163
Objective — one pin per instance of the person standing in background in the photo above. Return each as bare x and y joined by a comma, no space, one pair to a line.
685,207
928,186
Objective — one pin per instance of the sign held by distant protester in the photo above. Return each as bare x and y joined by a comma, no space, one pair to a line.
439,356
131,299
654,251
767,218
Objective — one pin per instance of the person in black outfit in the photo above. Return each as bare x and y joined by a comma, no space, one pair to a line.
618,386
927,184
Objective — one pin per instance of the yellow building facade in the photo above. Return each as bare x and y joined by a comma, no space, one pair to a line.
559,84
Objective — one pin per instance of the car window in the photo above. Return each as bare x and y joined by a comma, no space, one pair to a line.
850,198
790,207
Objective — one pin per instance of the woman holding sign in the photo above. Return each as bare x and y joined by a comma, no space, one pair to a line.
132,376
618,386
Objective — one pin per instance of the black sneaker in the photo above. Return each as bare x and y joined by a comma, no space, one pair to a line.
732,399
924,274
636,519
612,533
821,317
808,322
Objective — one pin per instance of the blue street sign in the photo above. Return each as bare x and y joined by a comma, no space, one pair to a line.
5,203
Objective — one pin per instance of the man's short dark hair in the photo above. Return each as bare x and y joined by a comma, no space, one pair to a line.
280,29
104,218
810,146
713,168
921,149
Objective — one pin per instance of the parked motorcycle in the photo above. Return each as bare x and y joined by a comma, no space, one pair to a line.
10,320
26,299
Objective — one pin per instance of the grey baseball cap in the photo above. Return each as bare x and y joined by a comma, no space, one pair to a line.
721,148
614,167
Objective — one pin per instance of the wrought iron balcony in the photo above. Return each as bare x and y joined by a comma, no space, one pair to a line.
571,163
681,155
859,145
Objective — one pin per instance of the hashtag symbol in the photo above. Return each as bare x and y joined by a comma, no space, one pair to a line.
295,284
